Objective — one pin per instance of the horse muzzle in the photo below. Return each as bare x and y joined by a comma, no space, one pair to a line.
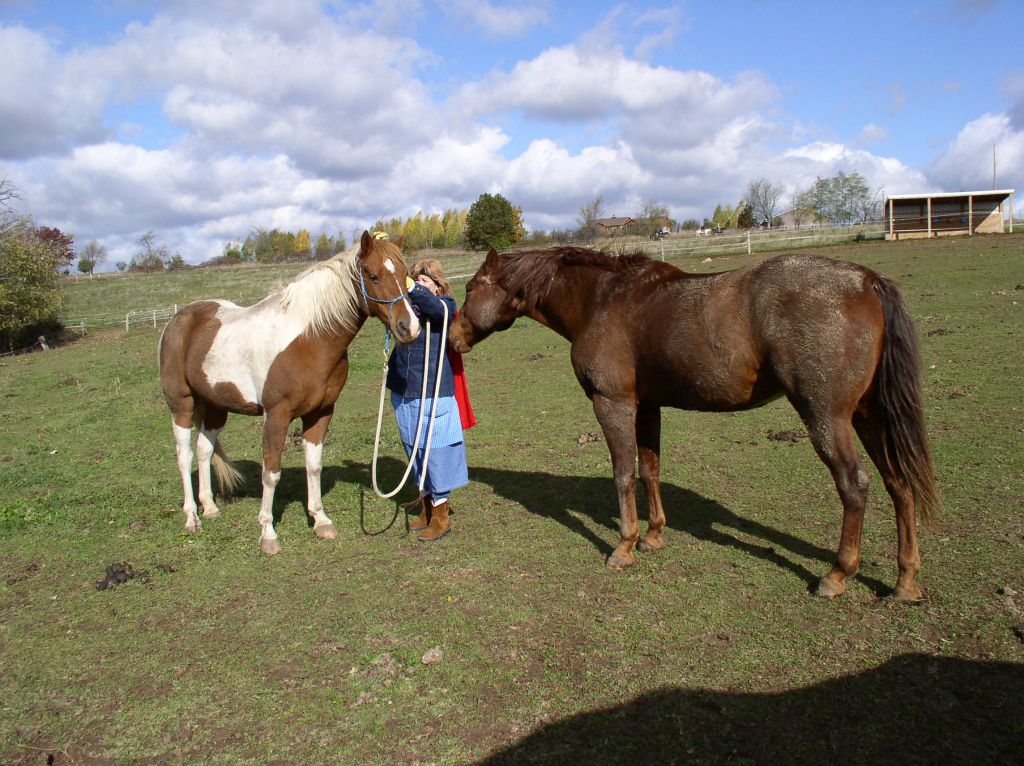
405,329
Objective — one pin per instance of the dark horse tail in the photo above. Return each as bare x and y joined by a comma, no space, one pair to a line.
899,394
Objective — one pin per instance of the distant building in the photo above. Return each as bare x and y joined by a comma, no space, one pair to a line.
612,226
912,216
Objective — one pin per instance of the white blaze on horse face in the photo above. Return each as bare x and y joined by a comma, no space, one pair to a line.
414,322
247,343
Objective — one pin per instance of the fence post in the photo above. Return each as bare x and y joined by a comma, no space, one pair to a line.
126,322
661,242
748,241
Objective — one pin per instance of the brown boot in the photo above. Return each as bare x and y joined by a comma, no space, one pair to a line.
439,525
422,521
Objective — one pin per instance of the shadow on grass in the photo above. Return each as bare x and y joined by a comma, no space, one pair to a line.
566,499
914,709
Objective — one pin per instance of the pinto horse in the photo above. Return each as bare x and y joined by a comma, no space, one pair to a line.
834,338
286,357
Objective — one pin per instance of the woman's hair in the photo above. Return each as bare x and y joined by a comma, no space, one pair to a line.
435,271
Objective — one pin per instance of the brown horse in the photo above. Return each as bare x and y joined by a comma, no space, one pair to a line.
834,338
284,358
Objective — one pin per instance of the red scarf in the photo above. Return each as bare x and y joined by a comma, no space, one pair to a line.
461,390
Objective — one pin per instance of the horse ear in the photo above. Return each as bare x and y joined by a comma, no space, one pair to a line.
398,242
492,258
365,243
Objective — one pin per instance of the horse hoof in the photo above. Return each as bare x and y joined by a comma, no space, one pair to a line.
910,595
211,513
270,545
829,588
326,531
193,525
619,562
649,545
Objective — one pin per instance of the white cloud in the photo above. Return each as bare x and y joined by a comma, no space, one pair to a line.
966,164
47,104
498,20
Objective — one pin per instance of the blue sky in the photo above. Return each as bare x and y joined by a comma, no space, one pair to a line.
202,120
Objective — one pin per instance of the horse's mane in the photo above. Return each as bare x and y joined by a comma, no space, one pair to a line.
530,272
325,294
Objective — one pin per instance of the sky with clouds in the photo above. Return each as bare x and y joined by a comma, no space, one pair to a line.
201,120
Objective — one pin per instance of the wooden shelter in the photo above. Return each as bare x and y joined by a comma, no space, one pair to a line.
911,216
614,225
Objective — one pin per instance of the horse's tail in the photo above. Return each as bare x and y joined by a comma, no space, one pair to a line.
229,478
899,396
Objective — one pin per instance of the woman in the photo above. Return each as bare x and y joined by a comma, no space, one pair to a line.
446,465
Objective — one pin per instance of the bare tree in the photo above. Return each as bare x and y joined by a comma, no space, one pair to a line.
8,192
762,197
588,214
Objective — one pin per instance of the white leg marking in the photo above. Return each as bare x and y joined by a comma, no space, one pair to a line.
205,443
183,448
322,524
270,480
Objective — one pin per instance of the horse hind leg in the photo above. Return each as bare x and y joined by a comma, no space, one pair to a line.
833,441
648,439
908,557
212,421
183,450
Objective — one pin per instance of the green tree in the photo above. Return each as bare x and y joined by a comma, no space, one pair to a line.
653,216
493,222
29,290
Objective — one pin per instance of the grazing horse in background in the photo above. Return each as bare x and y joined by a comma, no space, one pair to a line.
834,338
286,357
702,232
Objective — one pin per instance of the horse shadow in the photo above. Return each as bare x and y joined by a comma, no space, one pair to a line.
914,709
567,499
292,488
570,500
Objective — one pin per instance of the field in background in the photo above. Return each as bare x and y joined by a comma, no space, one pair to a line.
711,651
135,300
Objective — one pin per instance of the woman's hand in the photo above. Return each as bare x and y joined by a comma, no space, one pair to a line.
428,283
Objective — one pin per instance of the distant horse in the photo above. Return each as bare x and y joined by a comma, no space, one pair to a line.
702,232
834,338
284,358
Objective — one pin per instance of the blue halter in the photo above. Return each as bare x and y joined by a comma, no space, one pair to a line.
390,304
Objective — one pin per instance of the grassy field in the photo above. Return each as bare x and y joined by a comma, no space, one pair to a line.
711,651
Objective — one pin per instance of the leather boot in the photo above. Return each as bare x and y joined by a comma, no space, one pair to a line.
439,524
422,521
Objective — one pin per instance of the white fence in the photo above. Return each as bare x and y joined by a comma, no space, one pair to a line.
138,317
676,247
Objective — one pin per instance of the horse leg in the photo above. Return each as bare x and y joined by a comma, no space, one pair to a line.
618,422
183,449
648,442
275,429
832,437
314,429
205,443
908,558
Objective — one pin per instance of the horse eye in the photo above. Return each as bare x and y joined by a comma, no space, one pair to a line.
374,278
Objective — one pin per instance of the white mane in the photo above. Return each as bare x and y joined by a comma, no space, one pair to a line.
325,294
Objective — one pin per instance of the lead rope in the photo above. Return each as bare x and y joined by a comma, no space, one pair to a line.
419,418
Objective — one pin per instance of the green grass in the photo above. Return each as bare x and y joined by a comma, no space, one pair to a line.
711,651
